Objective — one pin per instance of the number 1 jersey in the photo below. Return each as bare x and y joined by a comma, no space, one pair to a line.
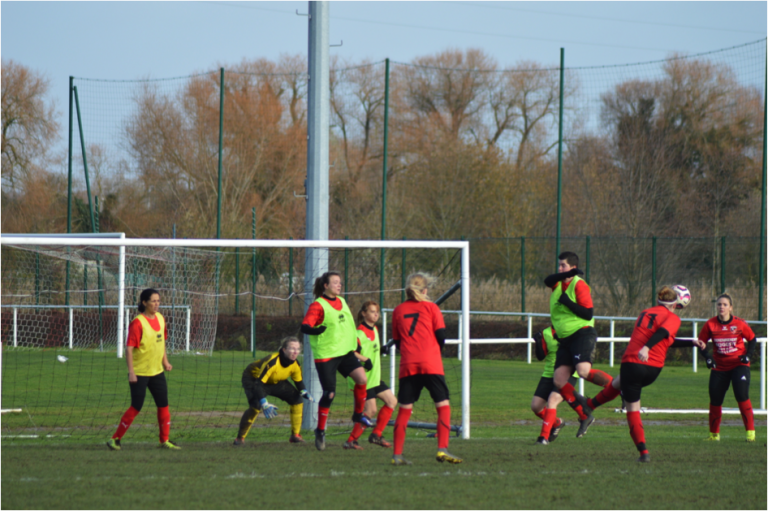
414,324
647,324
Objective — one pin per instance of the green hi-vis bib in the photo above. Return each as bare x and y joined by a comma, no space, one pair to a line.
566,322
369,349
549,361
340,335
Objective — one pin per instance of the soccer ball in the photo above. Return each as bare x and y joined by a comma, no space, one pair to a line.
683,296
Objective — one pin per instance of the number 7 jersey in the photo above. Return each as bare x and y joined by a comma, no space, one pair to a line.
414,324
647,324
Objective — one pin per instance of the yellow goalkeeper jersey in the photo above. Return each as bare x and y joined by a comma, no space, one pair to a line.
270,369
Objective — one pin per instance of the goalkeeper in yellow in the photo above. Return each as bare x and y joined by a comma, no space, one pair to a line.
268,377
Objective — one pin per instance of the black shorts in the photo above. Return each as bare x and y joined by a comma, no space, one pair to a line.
719,381
157,386
547,385
411,386
578,347
255,391
375,391
326,371
634,377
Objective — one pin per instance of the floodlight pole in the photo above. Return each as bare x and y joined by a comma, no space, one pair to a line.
318,124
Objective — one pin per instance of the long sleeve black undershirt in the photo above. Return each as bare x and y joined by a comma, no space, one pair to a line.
541,353
657,337
441,336
553,279
584,313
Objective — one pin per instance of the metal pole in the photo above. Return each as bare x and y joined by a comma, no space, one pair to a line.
237,281
221,141
69,186
560,155
384,181
290,280
530,336
761,271
346,269
403,274
695,350
613,324
465,340
653,272
522,273
85,159
318,122
16,327
121,298
99,281
72,336
253,285
722,264
588,250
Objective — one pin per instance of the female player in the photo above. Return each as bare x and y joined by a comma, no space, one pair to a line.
418,330
147,358
368,352
642,362
333,338
268,376
730,364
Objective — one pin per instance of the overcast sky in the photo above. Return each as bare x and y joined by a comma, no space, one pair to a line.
131,40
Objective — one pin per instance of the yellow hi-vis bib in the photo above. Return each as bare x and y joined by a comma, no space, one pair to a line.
148,357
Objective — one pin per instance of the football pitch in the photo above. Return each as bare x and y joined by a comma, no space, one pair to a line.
503,468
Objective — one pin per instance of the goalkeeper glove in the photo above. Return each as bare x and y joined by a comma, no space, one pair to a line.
710,363
270,411
368,365
744,359
306,396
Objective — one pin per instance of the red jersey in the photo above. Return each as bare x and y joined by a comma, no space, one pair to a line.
648,323
315,315
728,337
135,331
414,324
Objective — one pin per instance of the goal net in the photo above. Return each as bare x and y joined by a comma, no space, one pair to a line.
67,303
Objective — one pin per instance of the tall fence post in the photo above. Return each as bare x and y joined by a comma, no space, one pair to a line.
69,185
384,181
522,273
346,270
653,272
290,280
722,265
761,270
587,250
253,285
237,281
85,159
560,155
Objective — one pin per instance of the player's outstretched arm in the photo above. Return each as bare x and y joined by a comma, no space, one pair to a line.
541,349
553,279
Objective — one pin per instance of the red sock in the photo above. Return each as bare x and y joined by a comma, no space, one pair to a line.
164,421
383,419
443,426
401,424
357,430
322,417
360,394
125,422
636,431
599,377
567,392
550,417
609,393
715,415
745,407
540,414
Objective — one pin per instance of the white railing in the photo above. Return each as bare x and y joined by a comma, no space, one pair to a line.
127,315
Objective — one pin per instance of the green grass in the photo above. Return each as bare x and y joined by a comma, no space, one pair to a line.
80,402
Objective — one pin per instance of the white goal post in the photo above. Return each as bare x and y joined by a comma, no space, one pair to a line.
122,243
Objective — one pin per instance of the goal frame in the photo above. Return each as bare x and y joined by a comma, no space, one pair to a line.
119,240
